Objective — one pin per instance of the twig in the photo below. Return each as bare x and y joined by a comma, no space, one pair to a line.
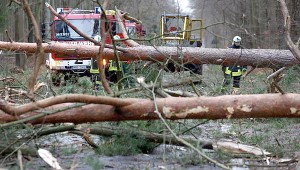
276,73
276,78
180,93
248,71
9,38
194,88
278,88
162,93
205,121
278,143
86,137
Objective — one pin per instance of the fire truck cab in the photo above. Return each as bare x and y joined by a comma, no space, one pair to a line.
67,66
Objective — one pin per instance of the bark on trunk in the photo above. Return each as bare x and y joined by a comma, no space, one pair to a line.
221,107
272,58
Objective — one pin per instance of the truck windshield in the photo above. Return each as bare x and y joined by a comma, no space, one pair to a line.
173,26
89,27
130,30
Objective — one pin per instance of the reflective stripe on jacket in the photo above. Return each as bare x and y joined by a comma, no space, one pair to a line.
113,65
234,71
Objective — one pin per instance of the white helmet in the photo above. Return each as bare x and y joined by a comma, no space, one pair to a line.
97,38
237,39
117,37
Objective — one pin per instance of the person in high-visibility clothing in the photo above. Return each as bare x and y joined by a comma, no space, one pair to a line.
113,68
233,72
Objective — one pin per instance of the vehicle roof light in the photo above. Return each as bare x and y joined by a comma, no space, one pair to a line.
107,12
97,10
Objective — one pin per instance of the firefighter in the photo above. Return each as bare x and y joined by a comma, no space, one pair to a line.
233,72
114,71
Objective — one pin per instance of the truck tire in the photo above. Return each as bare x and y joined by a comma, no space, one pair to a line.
56,79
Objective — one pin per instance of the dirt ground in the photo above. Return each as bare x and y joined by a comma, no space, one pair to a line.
163,157
72,152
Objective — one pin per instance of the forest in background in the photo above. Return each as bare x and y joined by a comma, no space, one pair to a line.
259,23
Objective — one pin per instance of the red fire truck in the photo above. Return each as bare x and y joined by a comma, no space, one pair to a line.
87,21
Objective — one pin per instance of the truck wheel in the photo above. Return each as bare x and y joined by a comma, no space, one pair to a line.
55,79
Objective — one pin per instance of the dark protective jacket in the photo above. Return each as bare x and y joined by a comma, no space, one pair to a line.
235,70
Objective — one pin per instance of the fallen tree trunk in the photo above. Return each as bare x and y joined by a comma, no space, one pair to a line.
252,57
220,107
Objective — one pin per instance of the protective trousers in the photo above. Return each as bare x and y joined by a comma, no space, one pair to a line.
227,80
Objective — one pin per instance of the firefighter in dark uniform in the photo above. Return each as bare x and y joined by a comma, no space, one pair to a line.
233,72
110,67
114,68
